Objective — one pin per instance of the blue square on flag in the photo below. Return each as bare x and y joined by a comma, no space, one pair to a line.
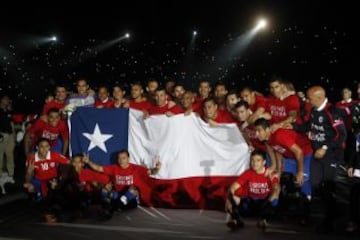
99,132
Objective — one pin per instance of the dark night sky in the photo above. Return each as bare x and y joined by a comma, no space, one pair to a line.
306,42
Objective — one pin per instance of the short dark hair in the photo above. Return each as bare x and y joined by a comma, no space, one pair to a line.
124,151
276,78
161,88
122,87
42,140
220,84
137,83
209,99
53,110
60,86
242,103
258,153
82,79
152,80
78,155
262,122
247,88
103,86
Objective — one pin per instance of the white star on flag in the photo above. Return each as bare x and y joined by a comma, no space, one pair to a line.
97,139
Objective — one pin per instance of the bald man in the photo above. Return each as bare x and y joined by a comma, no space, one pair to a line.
327,133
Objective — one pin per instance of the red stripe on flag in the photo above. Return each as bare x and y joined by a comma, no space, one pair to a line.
193,192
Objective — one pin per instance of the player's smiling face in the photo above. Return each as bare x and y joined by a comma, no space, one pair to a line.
118,93
257,163
123,160
136,91
43,148
53,119
210,109
261,133
242,113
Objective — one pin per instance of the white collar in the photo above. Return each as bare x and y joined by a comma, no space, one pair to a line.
37,158
105,100
348,101
322,106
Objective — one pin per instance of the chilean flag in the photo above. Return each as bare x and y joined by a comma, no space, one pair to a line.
199,162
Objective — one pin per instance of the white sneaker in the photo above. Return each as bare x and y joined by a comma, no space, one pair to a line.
10,179
124,200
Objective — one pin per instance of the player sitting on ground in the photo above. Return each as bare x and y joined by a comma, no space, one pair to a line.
126,177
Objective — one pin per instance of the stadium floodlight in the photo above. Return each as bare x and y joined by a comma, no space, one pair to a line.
261,24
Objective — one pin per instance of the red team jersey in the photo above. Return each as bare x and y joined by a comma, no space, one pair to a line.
283,139
293,104
250,132
87,177
46,169
106,104
41,129
142,106
154,110
121,178
224,116
279,109
255,186
260,102
53,104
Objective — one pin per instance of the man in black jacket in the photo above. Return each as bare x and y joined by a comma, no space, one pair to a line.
327,132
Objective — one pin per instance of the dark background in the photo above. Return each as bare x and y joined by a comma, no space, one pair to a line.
305,42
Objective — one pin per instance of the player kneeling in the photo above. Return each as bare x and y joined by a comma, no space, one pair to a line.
254,192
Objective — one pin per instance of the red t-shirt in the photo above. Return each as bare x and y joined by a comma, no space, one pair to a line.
283,139
250,132
45,169
260,102
123,177
107,104
87,177
224,116
142,106
277,109
292,103
256,186
42,129
177,109
53,104
154,110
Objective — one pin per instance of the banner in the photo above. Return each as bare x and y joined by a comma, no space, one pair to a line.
199,162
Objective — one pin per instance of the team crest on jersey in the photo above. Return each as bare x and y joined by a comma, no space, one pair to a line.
52,164
321,119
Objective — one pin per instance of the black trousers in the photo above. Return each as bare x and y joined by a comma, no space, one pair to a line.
323,177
